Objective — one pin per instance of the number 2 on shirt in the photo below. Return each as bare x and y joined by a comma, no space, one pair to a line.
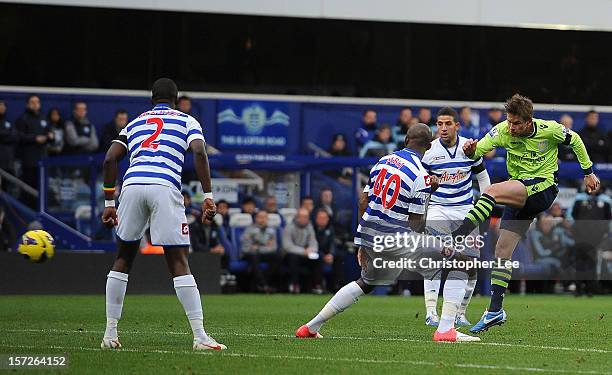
379,188
150,142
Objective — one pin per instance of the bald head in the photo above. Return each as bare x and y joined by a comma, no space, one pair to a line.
418,138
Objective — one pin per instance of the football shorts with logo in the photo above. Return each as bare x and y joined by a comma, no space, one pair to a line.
161,206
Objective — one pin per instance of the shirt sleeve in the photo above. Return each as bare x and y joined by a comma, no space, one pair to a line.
194,131
489,142
420,194
122,138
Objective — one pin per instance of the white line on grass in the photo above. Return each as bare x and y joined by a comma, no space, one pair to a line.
334,359
399,339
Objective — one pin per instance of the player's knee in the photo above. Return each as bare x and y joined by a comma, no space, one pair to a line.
365,287
122,265
492,190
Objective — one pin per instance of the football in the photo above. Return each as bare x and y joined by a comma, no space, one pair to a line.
37,246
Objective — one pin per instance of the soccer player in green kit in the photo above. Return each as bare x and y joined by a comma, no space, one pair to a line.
532,165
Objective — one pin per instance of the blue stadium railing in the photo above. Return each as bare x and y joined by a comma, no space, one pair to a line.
69,238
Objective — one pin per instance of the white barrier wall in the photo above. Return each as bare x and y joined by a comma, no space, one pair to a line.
547,14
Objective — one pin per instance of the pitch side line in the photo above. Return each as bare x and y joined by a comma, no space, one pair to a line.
300,358
396,339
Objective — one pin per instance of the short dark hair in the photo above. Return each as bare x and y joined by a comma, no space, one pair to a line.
448,111
405,108
183,97
322,210
520,106
30,96
305,197
164,90
120,111
223,201
186,194
246,200
365,111
592,111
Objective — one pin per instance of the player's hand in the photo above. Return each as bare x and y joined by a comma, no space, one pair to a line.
209,210
362,259
469,147
109,217
434,183
41,139
592,183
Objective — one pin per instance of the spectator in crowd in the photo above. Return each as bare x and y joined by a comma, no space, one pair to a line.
189,208
549,243
307,203
248,206
368,127
326,202
594,139
425,117
592,215
565,152
338,146
300,245
469,129
259,245
184,105
567,121
223,211
81,134
34,134
204,237
57,127
401,126
328,249
111,130
494,117
270,204
9,140
380,146
8,238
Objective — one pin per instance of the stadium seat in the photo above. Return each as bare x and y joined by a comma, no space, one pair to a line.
288,214
238,222
234,210
218,220
274,220
82,214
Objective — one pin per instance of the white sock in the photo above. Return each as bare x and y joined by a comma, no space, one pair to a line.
431,289
469,291
344,298
116,284
454,290
189,296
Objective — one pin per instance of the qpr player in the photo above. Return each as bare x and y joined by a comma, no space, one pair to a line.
452,200
156,142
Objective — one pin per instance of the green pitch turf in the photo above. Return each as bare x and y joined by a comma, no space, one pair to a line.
544,334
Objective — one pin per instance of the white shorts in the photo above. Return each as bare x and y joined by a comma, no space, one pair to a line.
161,205
443,220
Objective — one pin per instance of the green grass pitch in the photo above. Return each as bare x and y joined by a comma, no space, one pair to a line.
544,334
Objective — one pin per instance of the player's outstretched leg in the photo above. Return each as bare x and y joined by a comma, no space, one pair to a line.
454,291
431,290
116,284
189,296
469,291
343,299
